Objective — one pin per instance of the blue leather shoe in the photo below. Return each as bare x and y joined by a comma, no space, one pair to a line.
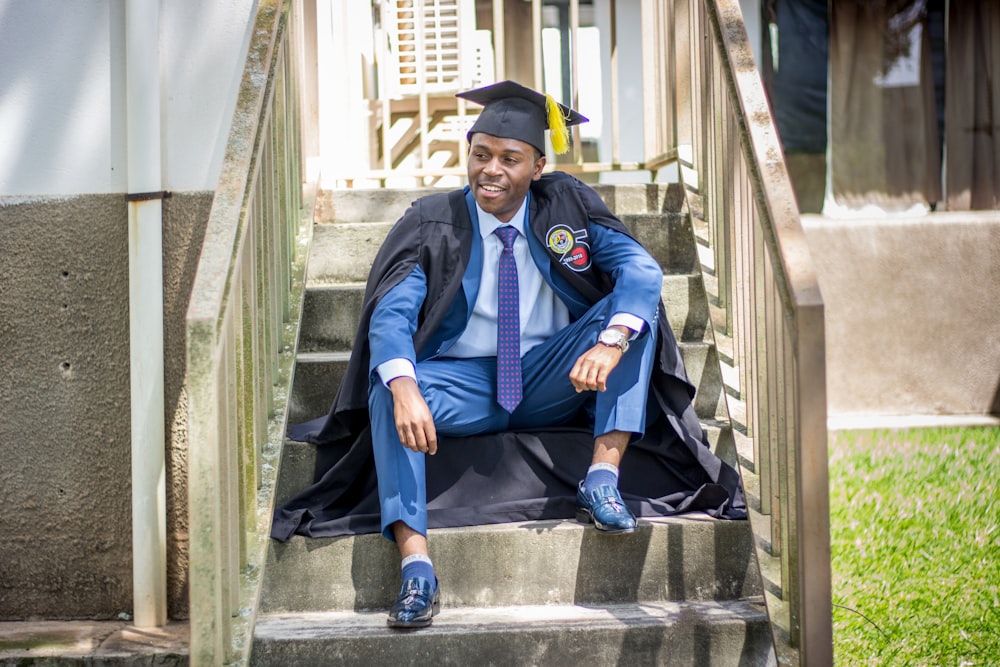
418,602
605,509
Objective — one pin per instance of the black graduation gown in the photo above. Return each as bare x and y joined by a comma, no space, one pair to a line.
509,476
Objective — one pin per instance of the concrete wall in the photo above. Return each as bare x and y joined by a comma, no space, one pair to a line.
64,385
64,371
912,313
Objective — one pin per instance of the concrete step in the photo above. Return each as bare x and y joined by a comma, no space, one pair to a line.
330,315
318,375
317,378
683,590
555,562
665,633
92,643
343,251
353,205
330,312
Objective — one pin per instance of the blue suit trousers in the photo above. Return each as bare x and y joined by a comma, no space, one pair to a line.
461,395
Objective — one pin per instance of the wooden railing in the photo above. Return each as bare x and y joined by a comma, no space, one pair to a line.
770,317
239,348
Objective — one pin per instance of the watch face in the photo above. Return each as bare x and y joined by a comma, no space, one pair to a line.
612,337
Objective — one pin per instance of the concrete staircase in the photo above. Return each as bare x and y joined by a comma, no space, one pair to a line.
681,591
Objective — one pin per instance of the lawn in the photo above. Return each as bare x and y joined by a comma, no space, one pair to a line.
915,540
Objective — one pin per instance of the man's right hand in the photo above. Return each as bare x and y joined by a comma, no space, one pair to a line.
414,422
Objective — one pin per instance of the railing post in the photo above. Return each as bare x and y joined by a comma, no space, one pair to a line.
204,510
813,502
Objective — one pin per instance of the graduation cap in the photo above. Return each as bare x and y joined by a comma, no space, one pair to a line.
512,111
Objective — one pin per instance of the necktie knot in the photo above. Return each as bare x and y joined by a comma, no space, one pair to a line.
507,235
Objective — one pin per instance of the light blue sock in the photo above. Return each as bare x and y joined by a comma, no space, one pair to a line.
418,565
600,474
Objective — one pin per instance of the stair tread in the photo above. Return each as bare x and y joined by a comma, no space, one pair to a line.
548,562
323,356
321,624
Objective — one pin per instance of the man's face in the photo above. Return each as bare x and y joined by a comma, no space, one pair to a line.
500,173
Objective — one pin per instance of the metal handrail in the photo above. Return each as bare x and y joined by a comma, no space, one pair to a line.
771,313
239,348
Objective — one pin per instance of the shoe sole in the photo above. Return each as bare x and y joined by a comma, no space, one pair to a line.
413,625
585,517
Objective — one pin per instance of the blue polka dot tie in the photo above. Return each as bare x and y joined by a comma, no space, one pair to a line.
508,324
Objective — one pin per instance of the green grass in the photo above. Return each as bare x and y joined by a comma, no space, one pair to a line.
915,542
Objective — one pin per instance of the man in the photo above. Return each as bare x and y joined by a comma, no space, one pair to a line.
519,303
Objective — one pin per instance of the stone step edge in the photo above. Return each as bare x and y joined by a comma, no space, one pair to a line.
479,620
93,643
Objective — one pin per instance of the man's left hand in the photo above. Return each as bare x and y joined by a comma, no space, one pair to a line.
591,370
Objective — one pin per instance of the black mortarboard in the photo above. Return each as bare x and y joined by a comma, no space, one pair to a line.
512,111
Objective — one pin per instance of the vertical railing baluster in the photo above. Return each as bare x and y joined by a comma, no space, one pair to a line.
246,432
227,536
281,146
236,460
790,579
257,419
257,243
775,330
267,276
739,310
756,427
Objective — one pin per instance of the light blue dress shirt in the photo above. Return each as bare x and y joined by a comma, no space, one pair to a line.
542,313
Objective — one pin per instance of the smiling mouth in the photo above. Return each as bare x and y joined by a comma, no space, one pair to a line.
491,188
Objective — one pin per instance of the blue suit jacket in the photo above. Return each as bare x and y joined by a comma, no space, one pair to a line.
636,275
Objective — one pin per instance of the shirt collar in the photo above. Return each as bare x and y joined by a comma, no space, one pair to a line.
488,222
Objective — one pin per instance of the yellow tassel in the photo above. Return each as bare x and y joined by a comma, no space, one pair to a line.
557,126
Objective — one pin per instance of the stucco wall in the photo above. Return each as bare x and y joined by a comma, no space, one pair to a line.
64,384
64,378
912,313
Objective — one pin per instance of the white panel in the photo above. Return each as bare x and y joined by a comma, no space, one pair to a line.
204,46
56,100
62,92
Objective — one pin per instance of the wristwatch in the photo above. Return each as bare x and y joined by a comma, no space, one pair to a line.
614,338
